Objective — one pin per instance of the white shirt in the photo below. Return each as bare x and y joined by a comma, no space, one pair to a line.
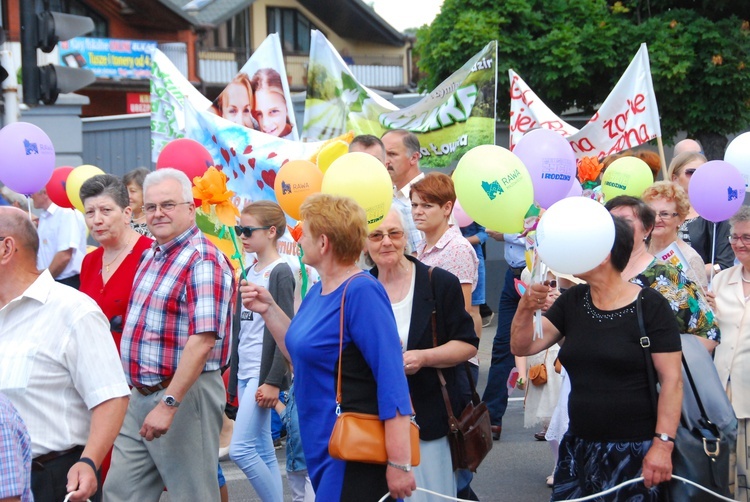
57,361
61,229
402,312
402,202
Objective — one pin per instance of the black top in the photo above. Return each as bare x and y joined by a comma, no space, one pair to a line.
453,323
609,396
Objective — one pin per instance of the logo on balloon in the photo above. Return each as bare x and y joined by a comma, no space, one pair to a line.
731,194
30,147
375,214
492,189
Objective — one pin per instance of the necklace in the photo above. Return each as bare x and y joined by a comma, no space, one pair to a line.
107,265
742,276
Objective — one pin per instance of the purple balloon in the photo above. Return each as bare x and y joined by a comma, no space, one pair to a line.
28,157
551,164
716,190
576,190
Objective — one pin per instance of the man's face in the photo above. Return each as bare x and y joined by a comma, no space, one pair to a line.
374,150
166,225
398,162
40,199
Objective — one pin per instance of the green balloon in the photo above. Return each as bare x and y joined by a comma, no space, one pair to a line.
626,176
494,188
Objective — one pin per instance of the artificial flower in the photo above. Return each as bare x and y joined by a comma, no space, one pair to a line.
211,189
589,169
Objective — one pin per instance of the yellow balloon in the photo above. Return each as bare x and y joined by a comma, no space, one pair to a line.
363,178
494,188
76,178
626,176
329,153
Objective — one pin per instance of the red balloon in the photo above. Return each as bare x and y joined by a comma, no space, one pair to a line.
186,155
56,187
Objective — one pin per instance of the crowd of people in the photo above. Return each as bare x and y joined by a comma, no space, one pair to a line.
117,363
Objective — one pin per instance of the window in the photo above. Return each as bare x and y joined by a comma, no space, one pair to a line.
78,8
293,29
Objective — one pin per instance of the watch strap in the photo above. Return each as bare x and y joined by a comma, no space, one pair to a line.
664,437
401,467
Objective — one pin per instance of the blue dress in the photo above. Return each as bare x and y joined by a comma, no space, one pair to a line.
373,379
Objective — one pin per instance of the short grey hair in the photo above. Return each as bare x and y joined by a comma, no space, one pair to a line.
741,216
169,173
105,184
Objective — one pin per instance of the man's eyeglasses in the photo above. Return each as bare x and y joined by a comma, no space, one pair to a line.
247,231
665,215
744,238
166,207
393,235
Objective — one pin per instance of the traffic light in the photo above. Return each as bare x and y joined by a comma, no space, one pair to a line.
41,28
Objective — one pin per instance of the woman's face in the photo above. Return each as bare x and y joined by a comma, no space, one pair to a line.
389,250
741,246
238,105
107,221
270,112
428,216
258,240
667,219
135,194
310,246
683,179
627,213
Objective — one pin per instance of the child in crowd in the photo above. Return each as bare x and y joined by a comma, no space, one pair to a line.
270,110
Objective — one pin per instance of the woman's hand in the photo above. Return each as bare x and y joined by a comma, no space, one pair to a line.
413,361
536,296
657,464
255,298
400,484
267,396
711,298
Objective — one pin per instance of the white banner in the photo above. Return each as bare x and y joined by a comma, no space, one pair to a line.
628,117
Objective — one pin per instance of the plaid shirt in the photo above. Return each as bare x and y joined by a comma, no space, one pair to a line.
181,288
15,454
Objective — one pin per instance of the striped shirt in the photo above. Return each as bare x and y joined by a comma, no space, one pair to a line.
181,288
15,454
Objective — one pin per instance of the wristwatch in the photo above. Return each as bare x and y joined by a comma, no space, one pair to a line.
402,467
171,401
664,437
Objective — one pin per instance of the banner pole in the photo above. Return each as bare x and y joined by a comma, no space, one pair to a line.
662,157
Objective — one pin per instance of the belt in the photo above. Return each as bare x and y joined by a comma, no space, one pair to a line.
516,270
147,391
38,463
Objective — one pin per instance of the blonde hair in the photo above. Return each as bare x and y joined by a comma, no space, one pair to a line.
240,79
268,214
670,191
679,162
341,220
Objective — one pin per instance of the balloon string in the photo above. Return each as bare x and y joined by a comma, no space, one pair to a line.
713,253
28,205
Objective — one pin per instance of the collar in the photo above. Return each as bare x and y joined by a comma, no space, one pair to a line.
735,275
404,192
38,290
177,242
52,209
446,238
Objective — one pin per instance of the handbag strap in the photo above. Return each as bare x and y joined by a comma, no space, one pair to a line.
645,343
341,338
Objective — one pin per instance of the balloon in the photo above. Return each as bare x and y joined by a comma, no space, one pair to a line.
575,235
363,178
294,182
576,190
186,155
330,152
738,154
494,188
460,215
626,176
551,164
28,157
56,186
76,178
716,190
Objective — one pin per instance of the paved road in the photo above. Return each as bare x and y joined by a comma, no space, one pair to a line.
515,469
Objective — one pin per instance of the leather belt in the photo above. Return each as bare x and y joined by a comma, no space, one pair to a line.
38,463
147,391
516,270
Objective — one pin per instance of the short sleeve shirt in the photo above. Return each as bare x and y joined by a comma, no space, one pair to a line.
453,253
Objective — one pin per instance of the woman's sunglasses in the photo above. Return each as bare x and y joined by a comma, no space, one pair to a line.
247,231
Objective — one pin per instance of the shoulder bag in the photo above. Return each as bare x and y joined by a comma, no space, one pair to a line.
360,437
469,435
538,372
703,444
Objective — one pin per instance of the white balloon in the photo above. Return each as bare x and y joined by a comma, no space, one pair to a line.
738,154
575,235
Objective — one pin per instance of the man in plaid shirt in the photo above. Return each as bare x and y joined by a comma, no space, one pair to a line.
175,340
15,455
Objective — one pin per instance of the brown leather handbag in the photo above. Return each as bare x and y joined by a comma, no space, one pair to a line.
360,437
538,372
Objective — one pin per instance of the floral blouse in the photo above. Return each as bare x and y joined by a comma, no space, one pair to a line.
688,302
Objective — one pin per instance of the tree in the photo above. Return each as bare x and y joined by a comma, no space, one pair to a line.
572,53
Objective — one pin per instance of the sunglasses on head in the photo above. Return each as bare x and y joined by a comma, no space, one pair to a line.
247,231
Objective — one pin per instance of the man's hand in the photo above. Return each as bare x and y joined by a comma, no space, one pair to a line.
158,421
267,396
81,482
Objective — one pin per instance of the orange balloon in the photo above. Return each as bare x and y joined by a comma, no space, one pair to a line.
295,181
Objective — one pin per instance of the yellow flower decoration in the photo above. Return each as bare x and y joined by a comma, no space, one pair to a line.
211,189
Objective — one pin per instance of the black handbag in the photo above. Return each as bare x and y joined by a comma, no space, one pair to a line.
707,432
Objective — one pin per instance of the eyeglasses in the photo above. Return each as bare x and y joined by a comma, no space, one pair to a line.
665,215
744,238
393,235
166,207
690,172
247,231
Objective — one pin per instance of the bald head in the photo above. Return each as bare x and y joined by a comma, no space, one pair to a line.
687,145
17,224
